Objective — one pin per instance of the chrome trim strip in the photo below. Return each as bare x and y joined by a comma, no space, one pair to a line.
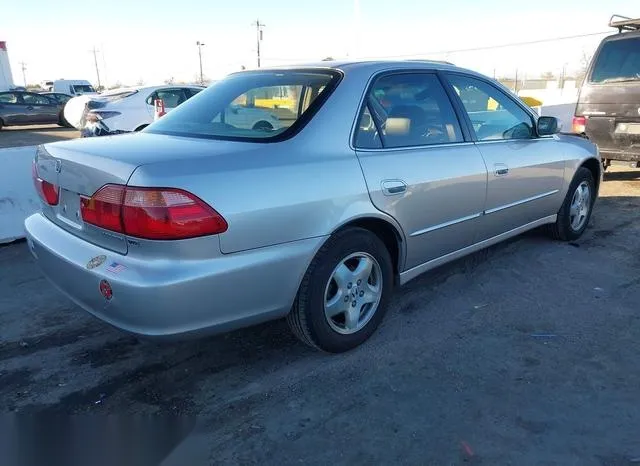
505,141
413,148
420,269
445,224
523,201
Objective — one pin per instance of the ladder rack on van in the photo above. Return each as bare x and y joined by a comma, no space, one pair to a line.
623,23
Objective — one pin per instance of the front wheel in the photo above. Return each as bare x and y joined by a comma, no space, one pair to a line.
344,294
574,215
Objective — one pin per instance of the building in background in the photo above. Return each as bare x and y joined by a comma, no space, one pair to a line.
6,78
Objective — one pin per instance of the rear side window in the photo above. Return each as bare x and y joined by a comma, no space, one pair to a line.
251,106
8,98
410,109
618,60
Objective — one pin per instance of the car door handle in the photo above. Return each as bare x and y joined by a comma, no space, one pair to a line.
29,107
501,169
393,187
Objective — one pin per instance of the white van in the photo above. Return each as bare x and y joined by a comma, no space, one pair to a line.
71,87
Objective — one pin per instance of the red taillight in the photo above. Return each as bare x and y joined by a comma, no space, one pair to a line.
579,124
49,192
104,208
151,213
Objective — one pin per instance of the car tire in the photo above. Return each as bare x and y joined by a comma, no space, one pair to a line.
360,304
263,126
575,213
1,123
62,121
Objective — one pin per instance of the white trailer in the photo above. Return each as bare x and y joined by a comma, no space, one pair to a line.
6,78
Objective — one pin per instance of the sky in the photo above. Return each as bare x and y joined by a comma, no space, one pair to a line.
149,42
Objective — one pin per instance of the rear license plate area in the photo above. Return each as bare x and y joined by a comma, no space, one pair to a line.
69,208
628,129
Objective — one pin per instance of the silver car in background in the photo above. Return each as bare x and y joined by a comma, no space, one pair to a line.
378,172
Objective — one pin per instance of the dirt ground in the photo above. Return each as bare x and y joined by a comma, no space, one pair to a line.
526,353
16,136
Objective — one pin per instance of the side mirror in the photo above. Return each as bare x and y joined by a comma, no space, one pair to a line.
548,125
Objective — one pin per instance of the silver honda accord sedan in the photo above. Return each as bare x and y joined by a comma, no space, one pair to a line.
376,173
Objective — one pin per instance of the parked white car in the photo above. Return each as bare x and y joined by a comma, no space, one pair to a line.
123,110
132,109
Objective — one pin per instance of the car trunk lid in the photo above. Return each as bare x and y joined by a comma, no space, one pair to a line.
88,164
78,172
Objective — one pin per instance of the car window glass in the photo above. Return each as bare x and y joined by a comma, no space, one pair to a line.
8,98
171,97
413,109
193,91
367,136
82,88
251,105
35,99
62,98
618,60
493,115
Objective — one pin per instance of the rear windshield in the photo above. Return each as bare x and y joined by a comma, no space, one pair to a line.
618,61
253,106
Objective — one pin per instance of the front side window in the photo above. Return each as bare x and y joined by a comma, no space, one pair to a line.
35,99
410,109
618,61
493,115
249,106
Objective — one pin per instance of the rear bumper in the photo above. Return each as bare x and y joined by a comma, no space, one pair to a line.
159,298
98,129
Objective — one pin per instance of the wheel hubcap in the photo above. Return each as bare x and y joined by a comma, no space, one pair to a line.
580,206
353,293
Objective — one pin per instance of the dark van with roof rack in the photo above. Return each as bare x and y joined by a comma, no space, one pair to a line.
608,109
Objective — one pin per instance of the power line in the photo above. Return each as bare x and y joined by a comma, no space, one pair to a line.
473,49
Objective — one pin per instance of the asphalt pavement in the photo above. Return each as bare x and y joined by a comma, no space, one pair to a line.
526,353
16,136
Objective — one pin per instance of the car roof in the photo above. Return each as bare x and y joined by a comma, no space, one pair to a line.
374,66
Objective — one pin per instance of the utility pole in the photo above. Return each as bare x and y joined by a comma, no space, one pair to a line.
200,45
259,27
95,60
23,65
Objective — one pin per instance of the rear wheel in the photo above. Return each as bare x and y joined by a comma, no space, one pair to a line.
62,121
344,293
574,215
